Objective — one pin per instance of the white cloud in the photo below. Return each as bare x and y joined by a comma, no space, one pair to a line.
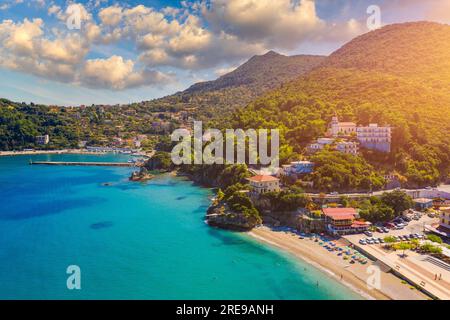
195,36
24,47
276,23
222,71
191,38
111,16
118,74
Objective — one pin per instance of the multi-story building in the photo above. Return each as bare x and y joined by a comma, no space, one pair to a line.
445,219
341,128
320,144
43,140
342,221
374,137
263,184
340,145
347,147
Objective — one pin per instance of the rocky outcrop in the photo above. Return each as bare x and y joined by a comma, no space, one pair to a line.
221,216
141,175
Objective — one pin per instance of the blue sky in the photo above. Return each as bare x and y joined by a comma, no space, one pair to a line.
128,51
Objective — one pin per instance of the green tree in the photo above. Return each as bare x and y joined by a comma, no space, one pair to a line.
398,200
434,238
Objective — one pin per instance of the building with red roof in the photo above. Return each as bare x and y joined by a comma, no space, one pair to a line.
341,221
263,184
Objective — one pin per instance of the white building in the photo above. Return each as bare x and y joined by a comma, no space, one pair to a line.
340,145
431,193
264,184
347,147
42,140
341,128
375,137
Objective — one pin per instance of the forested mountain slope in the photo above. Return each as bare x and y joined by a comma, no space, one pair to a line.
397,75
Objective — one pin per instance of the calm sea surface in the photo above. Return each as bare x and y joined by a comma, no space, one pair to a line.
131,240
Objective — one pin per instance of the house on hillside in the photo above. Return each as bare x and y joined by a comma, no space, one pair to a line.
263,184
43,140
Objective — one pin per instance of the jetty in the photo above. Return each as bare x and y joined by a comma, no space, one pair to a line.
85,164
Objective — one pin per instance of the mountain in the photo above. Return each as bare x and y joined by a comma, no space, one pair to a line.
261,73
21,122
239,87
419,50
397,75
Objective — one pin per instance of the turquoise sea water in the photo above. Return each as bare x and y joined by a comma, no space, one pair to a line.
131,240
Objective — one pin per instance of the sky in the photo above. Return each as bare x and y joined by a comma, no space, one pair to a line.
85,52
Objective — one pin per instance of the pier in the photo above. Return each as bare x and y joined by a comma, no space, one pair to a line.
85,164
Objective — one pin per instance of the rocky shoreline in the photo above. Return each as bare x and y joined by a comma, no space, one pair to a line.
141,175
221,216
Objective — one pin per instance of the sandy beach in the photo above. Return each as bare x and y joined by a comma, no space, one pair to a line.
352,275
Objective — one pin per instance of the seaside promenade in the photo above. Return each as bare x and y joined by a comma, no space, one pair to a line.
423,271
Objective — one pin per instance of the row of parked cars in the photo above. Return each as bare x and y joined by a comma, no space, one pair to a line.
371,241
405,237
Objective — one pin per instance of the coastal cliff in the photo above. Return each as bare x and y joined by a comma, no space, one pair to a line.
221,216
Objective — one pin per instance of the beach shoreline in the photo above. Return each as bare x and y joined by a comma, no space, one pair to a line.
60,151
354,276
43,152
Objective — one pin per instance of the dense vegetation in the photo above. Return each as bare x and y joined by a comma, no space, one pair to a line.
21,123
97,124
336,171
386,207
398,75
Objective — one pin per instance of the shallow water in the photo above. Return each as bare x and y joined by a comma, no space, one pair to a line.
131,240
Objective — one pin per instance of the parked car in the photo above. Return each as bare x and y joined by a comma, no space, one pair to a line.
368,233
385,230
379,229
362,241
390,225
